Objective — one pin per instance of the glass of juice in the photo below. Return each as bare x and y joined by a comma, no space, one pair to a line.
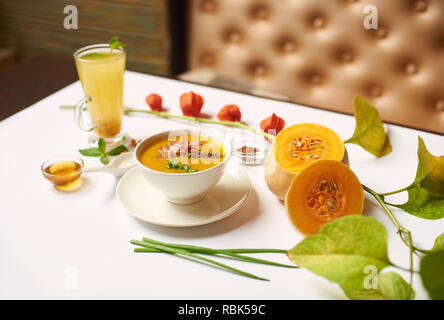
100,71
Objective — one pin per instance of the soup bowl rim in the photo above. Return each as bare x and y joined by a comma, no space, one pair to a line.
200,132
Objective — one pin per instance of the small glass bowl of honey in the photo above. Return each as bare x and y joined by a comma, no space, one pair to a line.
63,172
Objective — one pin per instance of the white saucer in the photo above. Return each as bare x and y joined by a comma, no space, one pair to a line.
144,202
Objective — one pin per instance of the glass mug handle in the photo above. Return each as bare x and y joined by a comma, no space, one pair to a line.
78,114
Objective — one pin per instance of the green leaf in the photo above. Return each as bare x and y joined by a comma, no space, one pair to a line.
117,150
104,159
369,131
439,243
426,193
114,43
430,171
389,286
432,274
91,152
173,165
102,145
423,204
393,287
342,249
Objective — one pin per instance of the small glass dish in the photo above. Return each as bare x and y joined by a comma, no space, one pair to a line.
250,151
63,172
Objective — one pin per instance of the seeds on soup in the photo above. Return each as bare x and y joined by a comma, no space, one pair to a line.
185,154
185,148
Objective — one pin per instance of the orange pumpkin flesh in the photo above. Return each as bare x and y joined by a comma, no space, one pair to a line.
323,191
296,147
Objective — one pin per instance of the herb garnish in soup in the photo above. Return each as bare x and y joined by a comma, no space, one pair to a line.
183,155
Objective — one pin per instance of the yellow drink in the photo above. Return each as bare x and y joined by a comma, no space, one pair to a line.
101,74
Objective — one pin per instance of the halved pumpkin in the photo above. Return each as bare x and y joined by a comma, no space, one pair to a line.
296,147
323,191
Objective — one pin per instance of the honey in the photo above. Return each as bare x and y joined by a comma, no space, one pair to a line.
64,175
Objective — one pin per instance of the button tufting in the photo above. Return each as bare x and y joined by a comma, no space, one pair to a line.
260,12
318,22
285,45
346,57
316,79
208,5
420,5
310,49
257,69
312,77
288,46
316,19
343,55
381,32
232,35
411,68
375,91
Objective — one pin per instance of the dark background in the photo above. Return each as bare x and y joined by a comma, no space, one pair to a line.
36,50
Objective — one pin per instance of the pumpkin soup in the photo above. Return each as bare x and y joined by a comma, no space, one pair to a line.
184,154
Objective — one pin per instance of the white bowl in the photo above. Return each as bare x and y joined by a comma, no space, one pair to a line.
183,188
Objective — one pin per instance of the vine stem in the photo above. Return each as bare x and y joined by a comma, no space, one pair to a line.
235,124
394,192
181,252
67,107
166,115
401,229
402,268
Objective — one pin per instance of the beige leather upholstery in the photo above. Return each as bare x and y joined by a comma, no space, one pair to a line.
318,52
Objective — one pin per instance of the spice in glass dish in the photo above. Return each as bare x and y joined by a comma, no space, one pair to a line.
246,150
250,151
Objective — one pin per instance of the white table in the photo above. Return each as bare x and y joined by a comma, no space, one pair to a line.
51,241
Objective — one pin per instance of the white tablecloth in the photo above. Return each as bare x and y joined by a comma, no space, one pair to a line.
76,245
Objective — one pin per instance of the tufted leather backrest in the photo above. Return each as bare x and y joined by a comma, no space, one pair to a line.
318,52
